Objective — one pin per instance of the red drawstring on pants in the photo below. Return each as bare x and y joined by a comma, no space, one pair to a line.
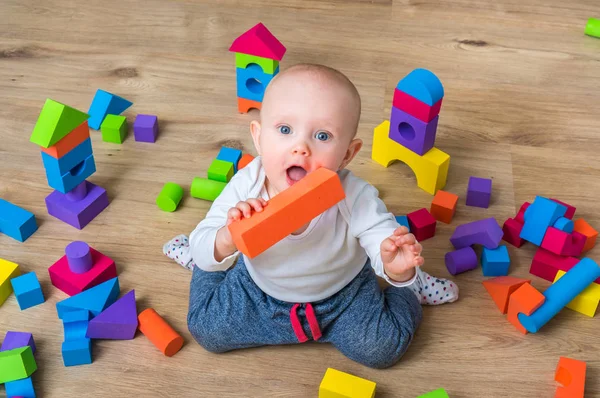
313,324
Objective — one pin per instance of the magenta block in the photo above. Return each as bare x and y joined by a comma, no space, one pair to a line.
461,260
78,213
14,340
570,209
479,192
484,232
412,133
79,257
145,128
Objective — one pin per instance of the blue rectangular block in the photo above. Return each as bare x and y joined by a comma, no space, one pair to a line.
16,222
252,82
67,182
403,220
67,172
71,159
20,388
230,155
495,262
539,216
27,290
77,352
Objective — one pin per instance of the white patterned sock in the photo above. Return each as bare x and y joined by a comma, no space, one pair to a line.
178,249
433,291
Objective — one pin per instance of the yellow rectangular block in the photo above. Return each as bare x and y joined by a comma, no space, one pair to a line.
8,270
587,301
336,384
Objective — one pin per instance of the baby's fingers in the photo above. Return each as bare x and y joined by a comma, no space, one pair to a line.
256,204
245,208
388,245
234,214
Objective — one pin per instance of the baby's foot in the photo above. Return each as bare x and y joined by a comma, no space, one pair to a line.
178,249
433,291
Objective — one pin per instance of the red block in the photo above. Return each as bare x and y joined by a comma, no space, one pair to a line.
557,241
570,209
422,224
577,245
415,107
520,218
71,283
546,264
512,231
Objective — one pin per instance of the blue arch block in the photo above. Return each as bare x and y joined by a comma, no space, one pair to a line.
252,82
66,173
423,85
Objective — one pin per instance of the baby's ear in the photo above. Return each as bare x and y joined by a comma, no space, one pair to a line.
353,149
255,131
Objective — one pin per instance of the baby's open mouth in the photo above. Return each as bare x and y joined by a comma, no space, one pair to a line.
295,173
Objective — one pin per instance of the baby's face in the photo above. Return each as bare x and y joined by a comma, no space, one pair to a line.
307,121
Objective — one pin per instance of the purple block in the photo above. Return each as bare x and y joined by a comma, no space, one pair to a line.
145,128
484,232
479,192
461,260
117,322
414,134
80,213
79,257
14,340
78,193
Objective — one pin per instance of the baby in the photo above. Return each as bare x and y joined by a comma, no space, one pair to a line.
320,282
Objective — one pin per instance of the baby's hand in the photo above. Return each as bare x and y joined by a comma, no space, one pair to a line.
400,254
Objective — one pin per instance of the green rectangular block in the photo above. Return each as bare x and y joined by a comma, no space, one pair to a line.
16,364
114,129
220,170
268,65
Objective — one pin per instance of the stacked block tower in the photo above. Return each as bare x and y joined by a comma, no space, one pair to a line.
257,56
409,135
63,135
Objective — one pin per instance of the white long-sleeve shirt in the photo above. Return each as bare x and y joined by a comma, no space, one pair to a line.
318,262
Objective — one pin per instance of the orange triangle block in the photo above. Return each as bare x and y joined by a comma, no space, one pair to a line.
501,287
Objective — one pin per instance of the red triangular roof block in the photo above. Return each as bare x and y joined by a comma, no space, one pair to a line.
259,41
501,287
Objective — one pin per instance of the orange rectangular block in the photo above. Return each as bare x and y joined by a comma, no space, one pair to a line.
571,374
590,233
244,105
526,299
244,160
287,212
443,206
70,141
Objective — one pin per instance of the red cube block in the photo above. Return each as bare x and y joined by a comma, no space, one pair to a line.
520,217
422,224
512,231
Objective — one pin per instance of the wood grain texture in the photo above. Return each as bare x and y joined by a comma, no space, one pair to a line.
522,106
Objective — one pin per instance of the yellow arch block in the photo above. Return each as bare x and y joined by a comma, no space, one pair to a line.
587,301
430,169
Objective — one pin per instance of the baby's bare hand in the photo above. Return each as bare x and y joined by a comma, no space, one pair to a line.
244,209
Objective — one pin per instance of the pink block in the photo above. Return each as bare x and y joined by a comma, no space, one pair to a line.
415,107
556,241
520,217
71,283
570,209
259,41
512,231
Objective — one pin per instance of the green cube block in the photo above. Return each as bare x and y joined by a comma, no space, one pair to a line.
268,65
220,170
439,393
114,129
16,364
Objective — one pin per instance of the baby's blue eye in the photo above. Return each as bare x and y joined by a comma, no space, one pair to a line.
284,129
322,136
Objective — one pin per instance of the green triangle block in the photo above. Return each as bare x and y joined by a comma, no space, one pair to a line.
56,120
95,299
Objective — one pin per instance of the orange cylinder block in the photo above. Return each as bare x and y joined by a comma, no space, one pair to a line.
159,332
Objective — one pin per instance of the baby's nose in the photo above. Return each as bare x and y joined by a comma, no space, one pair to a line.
301,149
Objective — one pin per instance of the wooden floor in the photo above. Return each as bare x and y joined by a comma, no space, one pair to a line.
521,106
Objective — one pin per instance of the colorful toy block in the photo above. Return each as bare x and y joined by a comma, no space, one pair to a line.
117,322
105,103
230,155
592,27
145,128
540,215
561,293
81,212
267,65
67,172
414,107
16,222
423,85
590,233
16,364
461,260
422,224
563,243
220,170
575,249
114,129
431,169
203,188
75,324
564,224
546,264
439,393
68,142
169,197
244,105
56,120
570,213
20,388
501,287
77,352
79,257
520,217
159,332
479,192
525,300
95,299
484,232
8,270
245,161
495,262
337,384
587,301
27,290
571,374
512,231
403,220
64,278
14,340
260,42
443,206
412,133
252,82
287,211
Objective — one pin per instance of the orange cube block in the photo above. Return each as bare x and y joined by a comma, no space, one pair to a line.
444,206
70,141
590,233
571,374
244,105
244,160
287,212
526,300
